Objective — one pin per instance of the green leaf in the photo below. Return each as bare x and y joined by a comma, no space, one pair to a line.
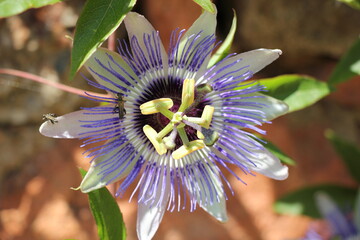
224,49
355,67
302,202
98,20
297,91
352,3
348,66
207,5
279,154
348,152
108,218
12,7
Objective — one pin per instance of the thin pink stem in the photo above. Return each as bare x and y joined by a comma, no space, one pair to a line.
42,80
111,42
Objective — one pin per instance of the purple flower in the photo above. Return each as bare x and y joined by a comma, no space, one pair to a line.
172,120
342,226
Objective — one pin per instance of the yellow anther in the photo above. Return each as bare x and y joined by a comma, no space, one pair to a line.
207,115
151,135
185,150
156,106
188,94
200,135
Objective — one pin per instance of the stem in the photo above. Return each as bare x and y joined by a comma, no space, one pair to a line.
183,136
165,131
42,80
111,42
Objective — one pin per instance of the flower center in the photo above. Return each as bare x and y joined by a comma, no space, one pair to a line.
165,139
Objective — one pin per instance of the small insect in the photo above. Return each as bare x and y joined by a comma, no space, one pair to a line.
51,117
119,108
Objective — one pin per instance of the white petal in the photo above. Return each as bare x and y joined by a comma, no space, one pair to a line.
148,220
69,125
257,159
206,24
267,164
137,25
94,179
217,209
254,61
207,187
272,108
151,214
102,55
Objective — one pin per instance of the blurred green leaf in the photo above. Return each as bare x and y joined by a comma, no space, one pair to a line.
302,202
279,154
352,3
355,67
207,5
12,7
297,91
225,47
348,152
108,218
97,21
348,66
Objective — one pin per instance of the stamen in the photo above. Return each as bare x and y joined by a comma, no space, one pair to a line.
206,117
179,120
151,135
158,105
185,150
188,94
183,135
165,131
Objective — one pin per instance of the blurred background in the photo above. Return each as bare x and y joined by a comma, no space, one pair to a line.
36,173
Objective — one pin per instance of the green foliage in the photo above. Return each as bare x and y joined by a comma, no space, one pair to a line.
349,65
302,201
297,91
279,154
98,20
12,7
348,152
225,47
206,5
107,214
352,3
